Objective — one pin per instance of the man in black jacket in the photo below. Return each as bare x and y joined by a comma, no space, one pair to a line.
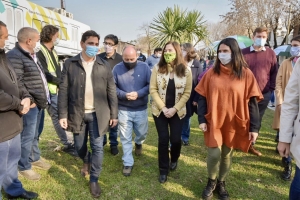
32,79
112,57
14,102
88,104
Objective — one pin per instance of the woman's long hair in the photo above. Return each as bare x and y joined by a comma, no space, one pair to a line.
237,59
179,63
190,52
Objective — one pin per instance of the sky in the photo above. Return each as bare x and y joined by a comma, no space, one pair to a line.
124,17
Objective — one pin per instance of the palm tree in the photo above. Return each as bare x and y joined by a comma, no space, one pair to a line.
178,25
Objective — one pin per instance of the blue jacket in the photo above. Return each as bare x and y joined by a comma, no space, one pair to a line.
152,60
133,80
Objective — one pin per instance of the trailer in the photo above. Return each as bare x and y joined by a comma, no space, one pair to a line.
22,13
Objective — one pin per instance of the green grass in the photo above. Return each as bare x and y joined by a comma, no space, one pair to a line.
251,177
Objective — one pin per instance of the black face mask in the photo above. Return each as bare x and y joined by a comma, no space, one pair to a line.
130,65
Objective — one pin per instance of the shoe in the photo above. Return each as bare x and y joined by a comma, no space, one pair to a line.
173,166
114,150
30,175
185,143
207,193
222,192
85,170
127,170
162,178
253,151
138,149
41,164
70,149
287,172
95,189
25,195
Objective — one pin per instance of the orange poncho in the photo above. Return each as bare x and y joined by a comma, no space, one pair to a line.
227,115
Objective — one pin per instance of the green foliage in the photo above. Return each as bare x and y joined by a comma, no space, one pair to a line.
176,24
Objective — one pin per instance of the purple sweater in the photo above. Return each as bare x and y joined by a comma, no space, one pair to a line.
263,64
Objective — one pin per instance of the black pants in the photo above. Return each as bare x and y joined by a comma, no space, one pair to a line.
262,106
164,137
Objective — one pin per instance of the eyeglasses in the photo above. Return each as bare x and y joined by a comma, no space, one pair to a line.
108,44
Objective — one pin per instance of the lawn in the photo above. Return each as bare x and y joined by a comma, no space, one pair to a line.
251,177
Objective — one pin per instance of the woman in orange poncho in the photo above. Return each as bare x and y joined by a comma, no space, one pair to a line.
228,113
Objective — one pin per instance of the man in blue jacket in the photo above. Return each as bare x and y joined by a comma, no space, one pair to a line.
132,80
154,58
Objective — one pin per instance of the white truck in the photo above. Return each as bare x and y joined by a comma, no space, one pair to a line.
22,13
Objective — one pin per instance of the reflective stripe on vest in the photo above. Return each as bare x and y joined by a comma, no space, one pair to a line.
51,67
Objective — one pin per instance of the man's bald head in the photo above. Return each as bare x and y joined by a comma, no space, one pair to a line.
129,54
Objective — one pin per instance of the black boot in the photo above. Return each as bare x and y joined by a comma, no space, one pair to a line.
287,172
207,193
223,194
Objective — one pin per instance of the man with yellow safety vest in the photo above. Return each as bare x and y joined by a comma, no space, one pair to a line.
49,60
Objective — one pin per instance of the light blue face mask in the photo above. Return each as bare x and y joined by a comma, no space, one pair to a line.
260,42
91,51
295,51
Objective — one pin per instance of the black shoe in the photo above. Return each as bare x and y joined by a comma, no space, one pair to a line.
70,149
185,143
173,166
25,195
162,178
222,192
287,172
207,193
114,150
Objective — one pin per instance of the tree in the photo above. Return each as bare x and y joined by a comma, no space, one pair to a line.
146,38
176,24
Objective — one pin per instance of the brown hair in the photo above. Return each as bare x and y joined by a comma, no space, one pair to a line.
260,30
179,63
191,53
296,38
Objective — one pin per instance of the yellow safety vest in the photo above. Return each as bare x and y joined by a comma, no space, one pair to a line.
51,67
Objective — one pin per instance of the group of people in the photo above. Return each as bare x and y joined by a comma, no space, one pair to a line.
98,93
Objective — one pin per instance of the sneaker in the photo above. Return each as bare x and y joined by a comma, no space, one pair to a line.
41,164
70,149
185,143
114,150
287,172
30,175
222,192
127,170
207,193
138,149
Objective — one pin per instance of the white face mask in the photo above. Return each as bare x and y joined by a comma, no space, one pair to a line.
138,52
37,47
56,42
184,53
224,58
159,55
108,49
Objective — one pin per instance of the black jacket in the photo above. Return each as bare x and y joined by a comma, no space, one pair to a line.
11,123
29,76
72,91
196,69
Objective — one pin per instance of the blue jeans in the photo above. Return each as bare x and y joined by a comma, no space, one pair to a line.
272,97
10,155
129,121
185,134
295,186
30,151
113,137
96,142
53,112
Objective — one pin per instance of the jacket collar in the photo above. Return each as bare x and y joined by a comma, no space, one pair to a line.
26,53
